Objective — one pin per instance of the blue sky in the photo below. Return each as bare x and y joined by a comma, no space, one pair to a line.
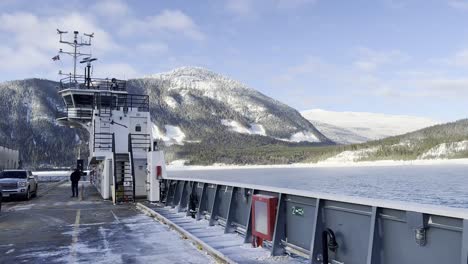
388,56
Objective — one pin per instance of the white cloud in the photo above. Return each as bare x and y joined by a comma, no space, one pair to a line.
459,4
23,58
395,4
370,60
240,7
117,70
111,8
311,66
172,21
152,48
33,41
293,3
245,8
460,58
453,86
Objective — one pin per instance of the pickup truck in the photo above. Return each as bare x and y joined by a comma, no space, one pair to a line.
18,183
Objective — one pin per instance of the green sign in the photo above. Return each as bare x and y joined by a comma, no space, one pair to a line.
298,211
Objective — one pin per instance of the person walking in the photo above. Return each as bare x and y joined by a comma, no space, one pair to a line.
75,178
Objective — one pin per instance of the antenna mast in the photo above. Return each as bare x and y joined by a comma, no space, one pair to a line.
75,44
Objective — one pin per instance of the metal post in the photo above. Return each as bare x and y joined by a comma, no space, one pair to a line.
280,227
194,186
316,241
200,203
75,55
180,206
230,213
214,207
374,241
176,191
169,193
248,226
464,250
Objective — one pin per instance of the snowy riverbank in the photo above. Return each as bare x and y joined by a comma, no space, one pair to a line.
179,164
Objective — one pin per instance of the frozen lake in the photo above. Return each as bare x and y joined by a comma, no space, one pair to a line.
445,185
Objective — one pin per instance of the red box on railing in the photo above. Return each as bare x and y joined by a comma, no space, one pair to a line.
263,216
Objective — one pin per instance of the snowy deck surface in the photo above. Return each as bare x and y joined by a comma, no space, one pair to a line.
231,245
55,228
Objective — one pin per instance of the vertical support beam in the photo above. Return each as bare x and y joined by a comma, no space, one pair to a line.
374,246
230,212
214,206
280,227
317,228
182,197
176,190
193,190
200,203
464,251
248,225
169,193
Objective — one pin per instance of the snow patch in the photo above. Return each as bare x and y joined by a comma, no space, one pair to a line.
303,136
174,135
178,163
351,156
445,150
171,102
255,129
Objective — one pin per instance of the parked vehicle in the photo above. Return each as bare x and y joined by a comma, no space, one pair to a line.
18,183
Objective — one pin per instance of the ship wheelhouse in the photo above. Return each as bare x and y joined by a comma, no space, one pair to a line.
120,132
124,160
83,96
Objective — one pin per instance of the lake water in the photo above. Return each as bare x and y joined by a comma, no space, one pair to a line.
445,185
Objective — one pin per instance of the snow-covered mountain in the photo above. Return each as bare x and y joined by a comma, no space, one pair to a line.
443,141
193,109
28,123
204,105
358,127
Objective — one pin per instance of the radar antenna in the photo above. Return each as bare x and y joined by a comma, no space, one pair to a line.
75,44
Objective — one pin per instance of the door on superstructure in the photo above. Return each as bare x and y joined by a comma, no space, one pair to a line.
138,125
140,177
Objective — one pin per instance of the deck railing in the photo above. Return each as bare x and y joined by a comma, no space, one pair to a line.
80,82
366,230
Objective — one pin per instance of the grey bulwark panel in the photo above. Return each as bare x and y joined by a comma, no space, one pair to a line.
209,197
299,213
171,192
350,223
178,193
223,198
201,192
371,232
240,206
399,244
184,198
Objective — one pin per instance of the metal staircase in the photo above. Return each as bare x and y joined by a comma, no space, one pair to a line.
124,180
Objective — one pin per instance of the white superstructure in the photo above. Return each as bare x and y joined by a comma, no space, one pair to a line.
123,157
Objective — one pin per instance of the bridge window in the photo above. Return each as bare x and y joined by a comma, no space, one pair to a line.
138,128
68,100
83,100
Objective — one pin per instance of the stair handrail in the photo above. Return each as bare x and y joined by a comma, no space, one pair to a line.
132,167
115,168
